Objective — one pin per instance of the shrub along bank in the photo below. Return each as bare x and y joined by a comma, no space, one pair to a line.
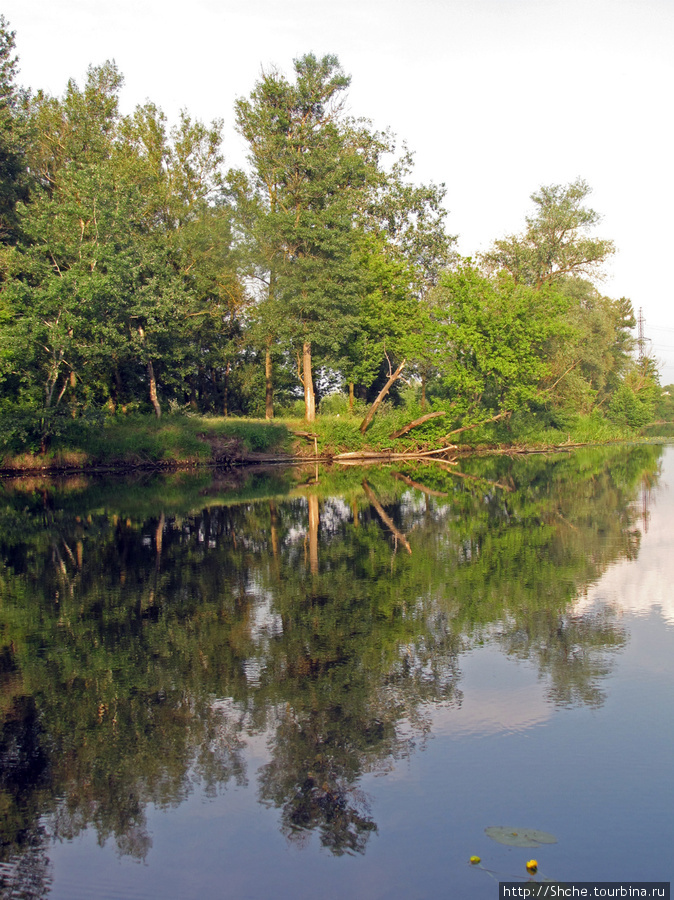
192,440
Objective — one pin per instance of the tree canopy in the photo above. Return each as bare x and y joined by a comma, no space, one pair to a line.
555,244
137,273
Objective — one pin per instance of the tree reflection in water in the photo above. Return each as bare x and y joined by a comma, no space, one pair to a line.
143,642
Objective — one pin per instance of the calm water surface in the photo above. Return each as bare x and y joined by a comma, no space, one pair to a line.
330,683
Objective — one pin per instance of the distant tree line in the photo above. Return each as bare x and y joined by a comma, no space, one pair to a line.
138,273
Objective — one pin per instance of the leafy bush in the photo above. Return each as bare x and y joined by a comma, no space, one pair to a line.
631,408
339,434
336,404
33,430
294,411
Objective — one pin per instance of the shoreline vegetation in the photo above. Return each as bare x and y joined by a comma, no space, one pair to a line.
159,310
190,441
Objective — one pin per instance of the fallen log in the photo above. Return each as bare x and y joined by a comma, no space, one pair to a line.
389,455
407,428
503,415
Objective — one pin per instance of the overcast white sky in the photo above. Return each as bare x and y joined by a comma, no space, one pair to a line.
496,97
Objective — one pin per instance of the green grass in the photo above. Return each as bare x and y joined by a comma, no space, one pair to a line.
184,439
174,439
137,440
341,433
189,439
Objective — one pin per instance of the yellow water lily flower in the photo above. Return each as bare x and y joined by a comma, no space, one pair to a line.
474,860
532,866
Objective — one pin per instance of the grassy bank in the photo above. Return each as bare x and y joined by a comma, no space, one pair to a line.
186,440
341,433
137,441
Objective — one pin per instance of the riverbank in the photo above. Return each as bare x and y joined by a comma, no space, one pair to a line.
186,441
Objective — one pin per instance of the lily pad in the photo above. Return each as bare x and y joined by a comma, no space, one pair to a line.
519,837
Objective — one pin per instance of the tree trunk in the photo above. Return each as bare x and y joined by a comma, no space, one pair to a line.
117,388
309,398
193,393
420,421
153,390
268,386
351,395
225,405
382,393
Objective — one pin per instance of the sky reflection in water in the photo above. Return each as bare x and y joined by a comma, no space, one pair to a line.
287,706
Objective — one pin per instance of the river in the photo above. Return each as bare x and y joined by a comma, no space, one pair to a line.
338,682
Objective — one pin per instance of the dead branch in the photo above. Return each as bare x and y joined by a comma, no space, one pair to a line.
563,375
503,415
384,391
420,421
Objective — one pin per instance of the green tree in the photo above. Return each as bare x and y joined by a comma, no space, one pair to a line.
13,171
126,281
386,315
93,288
308,172
589,358
406,248
634,402
555,244
193,217
496,335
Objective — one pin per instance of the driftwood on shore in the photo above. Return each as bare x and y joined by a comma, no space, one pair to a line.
389,455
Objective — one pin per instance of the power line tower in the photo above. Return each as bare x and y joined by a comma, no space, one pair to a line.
640,338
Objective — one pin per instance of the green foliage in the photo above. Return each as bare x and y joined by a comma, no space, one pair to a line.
665,404
632,408
126,278
554,245
336,404
497,332
30,430
136,276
